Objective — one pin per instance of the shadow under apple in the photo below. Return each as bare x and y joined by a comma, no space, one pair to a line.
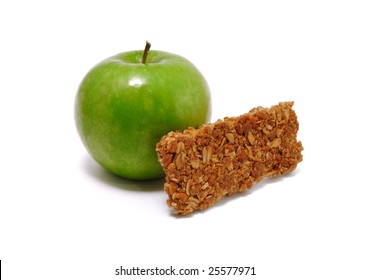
93,169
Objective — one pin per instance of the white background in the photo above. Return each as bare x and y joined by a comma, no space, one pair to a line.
63,217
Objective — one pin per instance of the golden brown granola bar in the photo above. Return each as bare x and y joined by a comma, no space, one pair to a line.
228,156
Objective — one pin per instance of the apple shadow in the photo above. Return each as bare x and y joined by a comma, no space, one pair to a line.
94,170
256,187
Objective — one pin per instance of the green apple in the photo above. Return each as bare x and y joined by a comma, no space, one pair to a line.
126,103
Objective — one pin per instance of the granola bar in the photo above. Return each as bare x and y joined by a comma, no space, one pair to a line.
228,156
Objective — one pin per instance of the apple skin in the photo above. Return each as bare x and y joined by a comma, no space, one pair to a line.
123,107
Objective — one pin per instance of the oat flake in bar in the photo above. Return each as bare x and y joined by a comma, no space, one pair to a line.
228,156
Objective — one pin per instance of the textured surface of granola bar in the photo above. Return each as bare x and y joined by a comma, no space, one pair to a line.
228,156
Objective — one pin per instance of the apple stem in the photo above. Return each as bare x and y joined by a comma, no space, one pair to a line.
146,51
